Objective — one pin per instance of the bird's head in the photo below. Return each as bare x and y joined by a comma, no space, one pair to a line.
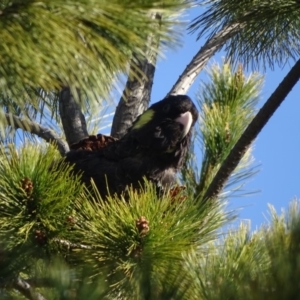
166,123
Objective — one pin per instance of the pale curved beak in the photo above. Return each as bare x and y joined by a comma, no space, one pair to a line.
186,119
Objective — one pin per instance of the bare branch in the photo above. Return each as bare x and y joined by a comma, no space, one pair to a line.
72,118
251,132
37,129
71,245
189,75
136,95
26,290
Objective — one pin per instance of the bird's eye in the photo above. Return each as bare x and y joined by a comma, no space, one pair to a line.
166,108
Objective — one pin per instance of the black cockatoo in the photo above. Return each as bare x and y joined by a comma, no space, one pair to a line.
154,148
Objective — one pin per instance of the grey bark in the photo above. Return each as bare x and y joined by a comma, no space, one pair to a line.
39,130
70,245
73,120
26,290
251,132
214,44
134,101
136,95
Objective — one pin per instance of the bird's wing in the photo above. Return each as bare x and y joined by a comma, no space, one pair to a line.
112,171
158,138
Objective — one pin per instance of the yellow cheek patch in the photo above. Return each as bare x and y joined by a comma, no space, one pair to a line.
143,119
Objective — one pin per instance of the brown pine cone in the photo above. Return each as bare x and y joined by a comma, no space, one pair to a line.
174,192
27,185
93,142
40,236
142,225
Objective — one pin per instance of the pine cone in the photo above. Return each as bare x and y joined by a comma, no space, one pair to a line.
174,192
40,237
137,251
27,185
142,225
93,142
71,221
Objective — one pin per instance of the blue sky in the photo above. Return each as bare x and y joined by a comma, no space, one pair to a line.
277,148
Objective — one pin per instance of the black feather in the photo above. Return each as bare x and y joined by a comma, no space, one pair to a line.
154,147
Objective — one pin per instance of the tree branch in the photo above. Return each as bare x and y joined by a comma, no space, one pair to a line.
26,290
251,132
71,245
136,95
189,75
42,132
72,118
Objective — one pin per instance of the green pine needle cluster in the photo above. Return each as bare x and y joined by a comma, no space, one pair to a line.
80,44
35,204
227,105
85,45
51,222
259,265
136,242
269,33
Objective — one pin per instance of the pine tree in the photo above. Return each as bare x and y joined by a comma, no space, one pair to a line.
59,240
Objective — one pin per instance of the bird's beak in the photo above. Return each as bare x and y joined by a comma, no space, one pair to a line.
186,119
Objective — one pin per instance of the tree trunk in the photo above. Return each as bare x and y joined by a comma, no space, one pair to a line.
73,120
251,132
136,95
